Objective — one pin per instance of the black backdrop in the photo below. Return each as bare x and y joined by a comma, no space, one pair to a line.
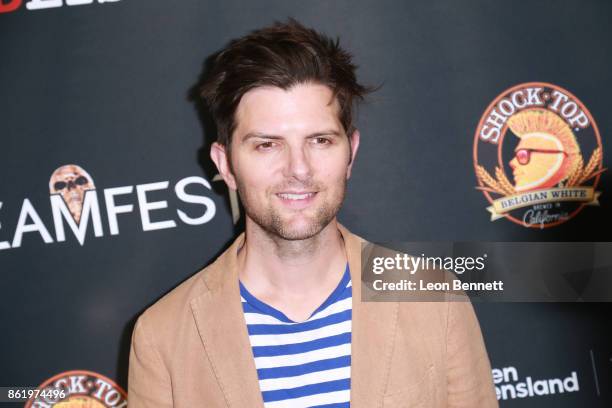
105,86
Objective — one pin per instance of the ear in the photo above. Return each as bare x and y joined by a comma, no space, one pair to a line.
218,154
354,138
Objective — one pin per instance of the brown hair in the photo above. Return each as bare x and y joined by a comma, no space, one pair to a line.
281,55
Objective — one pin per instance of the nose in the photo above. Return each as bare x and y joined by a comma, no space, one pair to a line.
298,163
513,163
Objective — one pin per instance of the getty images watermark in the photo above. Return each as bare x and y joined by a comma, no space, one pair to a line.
487,271
414,264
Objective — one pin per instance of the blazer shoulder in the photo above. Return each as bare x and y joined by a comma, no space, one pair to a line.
174,308
169,309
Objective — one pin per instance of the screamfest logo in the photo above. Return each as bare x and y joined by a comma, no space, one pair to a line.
548,141
75,202
71,182
79,389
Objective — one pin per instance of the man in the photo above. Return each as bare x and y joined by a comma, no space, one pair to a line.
273,320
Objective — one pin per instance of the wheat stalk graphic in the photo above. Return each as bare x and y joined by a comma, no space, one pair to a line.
582,174
498,184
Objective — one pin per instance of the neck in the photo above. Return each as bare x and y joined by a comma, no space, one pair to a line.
273,267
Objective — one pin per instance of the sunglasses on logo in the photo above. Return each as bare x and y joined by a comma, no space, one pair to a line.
523,156
60,185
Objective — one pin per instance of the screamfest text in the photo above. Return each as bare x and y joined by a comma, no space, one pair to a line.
75,200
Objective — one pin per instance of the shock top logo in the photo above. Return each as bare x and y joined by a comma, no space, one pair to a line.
79,389
547,139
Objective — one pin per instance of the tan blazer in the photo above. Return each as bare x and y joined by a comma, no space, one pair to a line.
191,348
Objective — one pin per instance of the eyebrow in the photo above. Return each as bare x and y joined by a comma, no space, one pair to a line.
260,135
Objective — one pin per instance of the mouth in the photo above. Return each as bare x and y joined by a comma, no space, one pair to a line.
296,199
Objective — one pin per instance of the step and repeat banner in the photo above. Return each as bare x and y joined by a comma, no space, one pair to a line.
108,198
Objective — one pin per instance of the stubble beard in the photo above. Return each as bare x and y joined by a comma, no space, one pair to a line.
271,221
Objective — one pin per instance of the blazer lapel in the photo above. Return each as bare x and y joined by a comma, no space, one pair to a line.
220,323
373,332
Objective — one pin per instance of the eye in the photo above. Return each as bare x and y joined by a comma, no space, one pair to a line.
321,140
60,185
81,181
265,146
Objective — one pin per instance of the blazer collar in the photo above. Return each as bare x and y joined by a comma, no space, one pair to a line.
220,323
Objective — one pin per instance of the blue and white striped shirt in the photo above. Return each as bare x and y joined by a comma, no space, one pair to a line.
305,364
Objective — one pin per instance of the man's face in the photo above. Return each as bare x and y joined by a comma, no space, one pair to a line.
544,162
290,159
